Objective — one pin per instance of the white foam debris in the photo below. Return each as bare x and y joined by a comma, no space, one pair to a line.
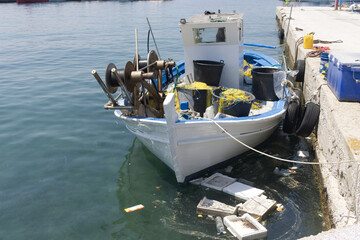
242,191
197,181
303,154
214,208
257,206
218,181
245,227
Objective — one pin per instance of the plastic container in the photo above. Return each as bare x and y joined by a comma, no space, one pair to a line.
220,226
197,99
308,41
245,227
239,108
184,105
263,83
208,72
344,75
324,63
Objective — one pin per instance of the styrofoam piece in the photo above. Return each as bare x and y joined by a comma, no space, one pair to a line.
197,181
245,227
242,191
257,206
214,208
218,181
228,169
303,154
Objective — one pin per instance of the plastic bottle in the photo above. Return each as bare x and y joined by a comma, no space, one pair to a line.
308,41
220,226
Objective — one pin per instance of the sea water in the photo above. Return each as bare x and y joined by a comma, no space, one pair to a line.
69,168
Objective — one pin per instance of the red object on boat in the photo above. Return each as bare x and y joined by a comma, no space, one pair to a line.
31,1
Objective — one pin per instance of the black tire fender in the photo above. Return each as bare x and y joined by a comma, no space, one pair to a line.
309,120
300,66
281,34
291,117
292,114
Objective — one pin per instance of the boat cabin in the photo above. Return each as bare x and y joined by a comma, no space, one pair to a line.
215,37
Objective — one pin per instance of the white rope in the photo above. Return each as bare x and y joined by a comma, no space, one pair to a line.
277,158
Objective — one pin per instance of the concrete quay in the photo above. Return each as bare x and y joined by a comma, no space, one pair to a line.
338,132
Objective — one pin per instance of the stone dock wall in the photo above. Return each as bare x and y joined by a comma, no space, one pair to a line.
338,132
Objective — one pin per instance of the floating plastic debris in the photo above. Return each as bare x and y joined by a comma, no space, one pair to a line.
303,154
228,169
134,208
245,227
242,191
220,226
197,181
283,172
247,182
279,207
218,181
214,208
257,206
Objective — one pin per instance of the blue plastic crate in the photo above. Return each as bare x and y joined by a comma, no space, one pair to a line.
344,75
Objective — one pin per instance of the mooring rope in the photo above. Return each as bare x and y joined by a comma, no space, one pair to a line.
273,157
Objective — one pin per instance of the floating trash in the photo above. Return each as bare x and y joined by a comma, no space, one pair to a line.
245,227
303,154
220,226
214,208
242,191
134,208
283,172
218,181
257,207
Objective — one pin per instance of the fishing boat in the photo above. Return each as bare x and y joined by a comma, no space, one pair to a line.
192,128
31,1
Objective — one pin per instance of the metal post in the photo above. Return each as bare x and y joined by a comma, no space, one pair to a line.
123,88
104,88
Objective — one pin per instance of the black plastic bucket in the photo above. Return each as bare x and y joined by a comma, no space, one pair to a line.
200,99
197,99
263,83
237,109
208,72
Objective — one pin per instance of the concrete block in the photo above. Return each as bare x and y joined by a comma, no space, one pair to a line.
245,227
258,206
218,181
214,208
242,191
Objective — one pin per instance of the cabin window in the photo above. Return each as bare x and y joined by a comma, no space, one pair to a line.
209,35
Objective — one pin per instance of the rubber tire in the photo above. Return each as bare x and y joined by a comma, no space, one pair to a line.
309,119
300,65
291,117
281,34
292,114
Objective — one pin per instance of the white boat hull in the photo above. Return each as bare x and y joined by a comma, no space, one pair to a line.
188,147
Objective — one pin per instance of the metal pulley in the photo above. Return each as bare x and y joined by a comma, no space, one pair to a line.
124,77
147,65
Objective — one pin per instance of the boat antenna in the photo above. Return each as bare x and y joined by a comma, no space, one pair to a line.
136,50
153,37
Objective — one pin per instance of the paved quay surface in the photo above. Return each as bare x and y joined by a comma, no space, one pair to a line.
346,233
338,132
